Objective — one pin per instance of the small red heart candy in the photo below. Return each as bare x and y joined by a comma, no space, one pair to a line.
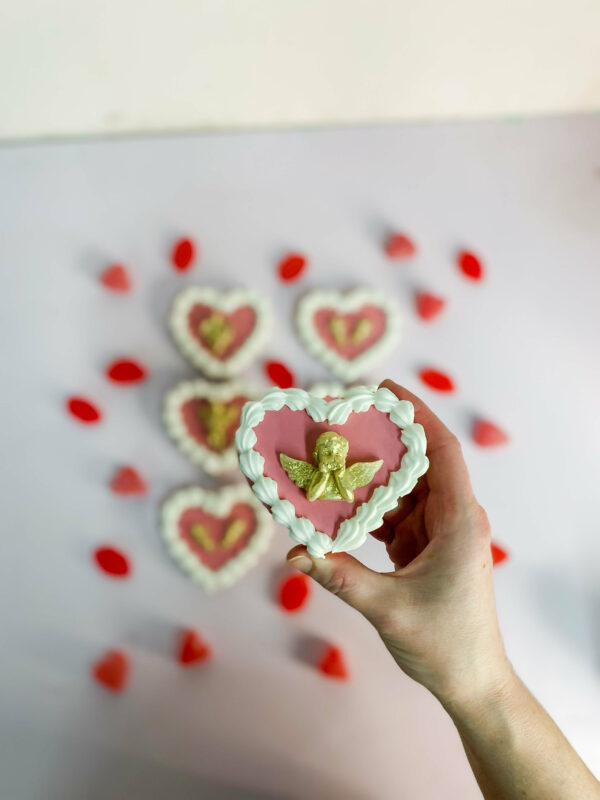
112,562
470,265
183,254
437,380
192,649
498,554
83,410
127,480
126,371
486,434
116,278
291,267
397,245
333,664
428,305
279,374
294,592
112,671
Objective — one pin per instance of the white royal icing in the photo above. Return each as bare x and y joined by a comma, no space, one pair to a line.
217,503
369,515
346,369
226,302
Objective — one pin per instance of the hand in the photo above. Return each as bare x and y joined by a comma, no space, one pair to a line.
436,612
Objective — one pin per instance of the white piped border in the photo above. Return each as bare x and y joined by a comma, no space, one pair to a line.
226,302
218,503
369,515
212,462
346,369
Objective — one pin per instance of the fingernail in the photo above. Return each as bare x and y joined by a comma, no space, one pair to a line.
302,563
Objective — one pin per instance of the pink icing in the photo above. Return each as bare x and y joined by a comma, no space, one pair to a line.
216,526
372,435
195,427
243,320
375,315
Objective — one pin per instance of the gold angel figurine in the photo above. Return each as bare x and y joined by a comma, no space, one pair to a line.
327,478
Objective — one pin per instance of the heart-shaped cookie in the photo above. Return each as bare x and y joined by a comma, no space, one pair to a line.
219,332
202,419
330,469
347,332
215,536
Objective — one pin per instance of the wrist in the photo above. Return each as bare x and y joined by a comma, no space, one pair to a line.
475,693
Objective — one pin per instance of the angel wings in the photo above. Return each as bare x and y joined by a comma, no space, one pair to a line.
334,485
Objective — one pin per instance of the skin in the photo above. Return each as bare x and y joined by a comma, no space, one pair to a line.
436,615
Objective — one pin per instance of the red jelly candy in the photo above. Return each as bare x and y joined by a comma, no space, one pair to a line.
128,480
428,305
116,278
498,554
437,380
83,410
293,592
279,374
126,371
399,246
486,434
291,267
333,664
112,670
183,254
112,561
192,648
470,266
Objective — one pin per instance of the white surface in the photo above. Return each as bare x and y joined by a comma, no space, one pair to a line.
71,67
523,347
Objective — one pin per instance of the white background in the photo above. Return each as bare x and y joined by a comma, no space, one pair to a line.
523,347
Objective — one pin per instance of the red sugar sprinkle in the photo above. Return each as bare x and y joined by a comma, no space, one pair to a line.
291,267
498,554
279,374
83,410
112,671
470,266
294,592
112,562
126,371
192,649
116,278
127,480
183,254
486,434
333,664
437,380
397,245
428,305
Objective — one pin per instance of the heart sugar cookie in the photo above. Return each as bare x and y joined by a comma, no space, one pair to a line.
347,332
219,332
331,468
202,419
215,536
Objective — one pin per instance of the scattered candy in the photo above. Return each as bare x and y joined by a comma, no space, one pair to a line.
333,664
127,480
428,305
399,246
112,561
437,380
183,254
294,592
192,649
498,554
126,371
470,265
292,266
279,374
112,670
486,434
116,278
83,410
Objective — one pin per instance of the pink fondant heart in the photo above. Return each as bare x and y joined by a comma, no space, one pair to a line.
348,323
242,321
216,527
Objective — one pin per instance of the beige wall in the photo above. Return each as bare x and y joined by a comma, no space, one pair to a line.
86,66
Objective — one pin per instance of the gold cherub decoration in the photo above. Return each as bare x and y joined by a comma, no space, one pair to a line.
216,331
327,478
339,329
217,418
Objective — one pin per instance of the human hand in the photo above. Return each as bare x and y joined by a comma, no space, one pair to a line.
436,612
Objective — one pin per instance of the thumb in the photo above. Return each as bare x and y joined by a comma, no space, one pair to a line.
342,575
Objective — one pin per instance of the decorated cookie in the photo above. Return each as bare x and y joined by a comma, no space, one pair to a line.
329,469
202,419
219,332
215,536
347,332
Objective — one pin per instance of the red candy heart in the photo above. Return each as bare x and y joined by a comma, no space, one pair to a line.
436,380
470,266
291,267
112,562
279,374
192,649
498,554
83,410
397,245
333,664
294,592
428,305
116,278
486,434
182,255
127,480
112,671
126,371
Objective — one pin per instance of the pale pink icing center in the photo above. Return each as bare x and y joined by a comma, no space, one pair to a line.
216,526
243,320
372,435
375,315
195,427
